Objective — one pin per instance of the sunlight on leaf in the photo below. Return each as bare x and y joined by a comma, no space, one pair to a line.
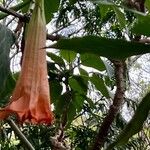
120,16
94,61
142,26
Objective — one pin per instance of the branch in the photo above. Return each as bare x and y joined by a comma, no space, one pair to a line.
136,4
53,37
15,14
20,134
114,108
145,41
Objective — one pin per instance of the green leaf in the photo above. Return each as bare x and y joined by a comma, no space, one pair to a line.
57,59
78,101
75,106
100,85
51,6
83,72
5,93
105,6
63,103
110,48
26,8
120,16
92,60
55,91
6,40
71,112
136,123
103,10
112,3
68,104
91,103
142,26
78,84
69,56
147,4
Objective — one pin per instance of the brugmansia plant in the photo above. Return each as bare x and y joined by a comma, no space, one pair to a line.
30,100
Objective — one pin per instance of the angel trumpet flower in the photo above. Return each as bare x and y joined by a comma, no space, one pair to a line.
30,100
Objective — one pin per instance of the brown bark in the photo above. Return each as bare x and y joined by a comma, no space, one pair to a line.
114,108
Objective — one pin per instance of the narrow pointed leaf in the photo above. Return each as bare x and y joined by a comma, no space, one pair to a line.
74,107
147,4
120,16
106,5
50,6
110,48
79,84
57,59
55,91
103,10
142,26
94,61
100,85
136,123
26,8
68,104
83,72
63,103
68,55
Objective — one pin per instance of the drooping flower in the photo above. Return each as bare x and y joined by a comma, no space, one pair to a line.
30,100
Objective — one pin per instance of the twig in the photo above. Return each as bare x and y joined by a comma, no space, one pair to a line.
146,40
63,27
13,13
53,37
20,134
114,108
131,61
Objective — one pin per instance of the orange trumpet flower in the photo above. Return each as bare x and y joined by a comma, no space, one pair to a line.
30,100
